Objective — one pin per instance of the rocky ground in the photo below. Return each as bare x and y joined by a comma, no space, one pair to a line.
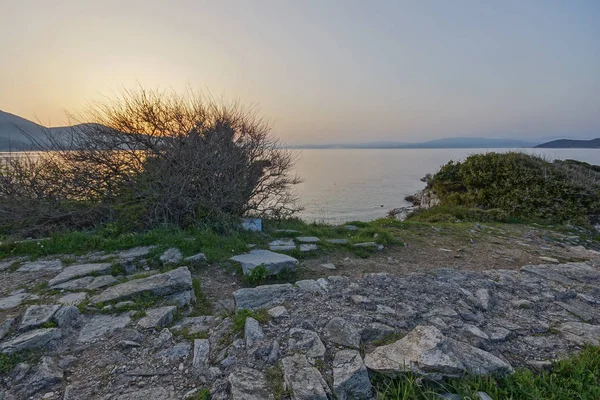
107,326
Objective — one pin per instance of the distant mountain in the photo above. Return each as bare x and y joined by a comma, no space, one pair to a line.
448,143
571,144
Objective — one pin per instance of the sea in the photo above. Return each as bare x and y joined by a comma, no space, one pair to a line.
341,185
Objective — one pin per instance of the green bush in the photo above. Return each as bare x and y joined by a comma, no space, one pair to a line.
520,185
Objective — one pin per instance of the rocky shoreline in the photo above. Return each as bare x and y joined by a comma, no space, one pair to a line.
314,339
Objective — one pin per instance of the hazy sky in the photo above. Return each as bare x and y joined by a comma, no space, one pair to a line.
324,70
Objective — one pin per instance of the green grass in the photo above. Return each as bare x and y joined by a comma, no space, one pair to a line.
575,378
216,245
202,394
239,319
10,361
202,306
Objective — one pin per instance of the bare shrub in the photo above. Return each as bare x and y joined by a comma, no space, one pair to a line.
150,158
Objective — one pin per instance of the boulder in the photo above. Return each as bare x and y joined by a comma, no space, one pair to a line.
274,263
171,256
350,377
425,350
252,332
303,380
309,285
581,333
77,271
171,282
101,325
31,340
249,384
306,342
343,333
157,317
262,296
46,376
41,266
36,316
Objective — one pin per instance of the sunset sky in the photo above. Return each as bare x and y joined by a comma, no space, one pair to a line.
323,71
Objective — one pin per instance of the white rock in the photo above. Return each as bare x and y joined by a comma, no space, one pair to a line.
35,316
350,377
304,380
37,266
328,266
249,384
201,354
342,332
307,239
101,325
157,317
307,342
262,296
274,263
30,340
278,312
77,271
171,256
252,332
73,299
15,300
308,247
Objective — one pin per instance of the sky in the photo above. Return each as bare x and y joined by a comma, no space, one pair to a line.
322,71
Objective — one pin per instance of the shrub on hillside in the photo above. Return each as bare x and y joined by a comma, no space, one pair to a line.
521,185
147,159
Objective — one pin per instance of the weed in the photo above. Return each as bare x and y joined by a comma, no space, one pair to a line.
202,394
202,305
275,382
239,319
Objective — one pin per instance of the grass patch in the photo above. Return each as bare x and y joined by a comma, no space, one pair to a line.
202,306
239,319
388,339
202,394
275,382
185,333
575,378
9,361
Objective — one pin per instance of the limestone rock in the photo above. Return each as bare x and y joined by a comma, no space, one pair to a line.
174,281
195,325
425,350
308,239
36,316
31,340
136,252
484,299
37,266
569,273
252,332
196,258
46,376
157,317
154,393
262,296
201,354
307,247
75,284
309,285
67,316
328,266
307,342
342,332
304,380
171,256
376,331
249,384
12,301
73,299
278,312
77,271
337,241
6,326
581,333
100,282
274,263
100,325
350,377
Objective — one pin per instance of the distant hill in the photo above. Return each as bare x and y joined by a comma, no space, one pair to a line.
448,143
571,144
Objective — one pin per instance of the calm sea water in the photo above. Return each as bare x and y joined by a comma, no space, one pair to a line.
346,185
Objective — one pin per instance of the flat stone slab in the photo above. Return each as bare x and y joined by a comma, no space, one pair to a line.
570,273
306,342
5,265
201,354
35,316
328,266
425,350
308,239
31,340
249,384
175,281
275,263
304,380
342,332
100,282
37,266
282,242
581,333
75,284
77,271
136,252
194,325
6,326
15,300
262,296
350,376
305,248
282,248
337,241
100,325
157,317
